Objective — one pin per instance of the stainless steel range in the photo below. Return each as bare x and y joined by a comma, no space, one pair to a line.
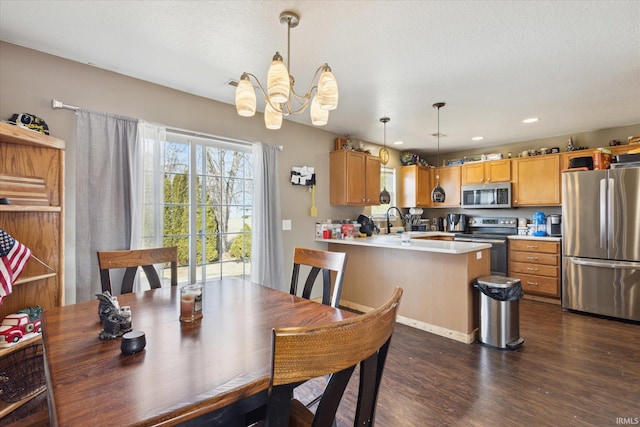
493,230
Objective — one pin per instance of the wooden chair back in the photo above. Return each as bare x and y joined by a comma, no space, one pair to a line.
131,260
302,353
324,261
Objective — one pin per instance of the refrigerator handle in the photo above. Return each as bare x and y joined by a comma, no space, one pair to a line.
603,214
610,214
629,265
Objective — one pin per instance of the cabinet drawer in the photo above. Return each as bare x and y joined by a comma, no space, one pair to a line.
539,284
534,246
537,269
533,257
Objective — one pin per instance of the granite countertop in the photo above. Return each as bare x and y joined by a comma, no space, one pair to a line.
393,241
547,238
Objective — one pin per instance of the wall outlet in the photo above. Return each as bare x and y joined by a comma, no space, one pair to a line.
286,224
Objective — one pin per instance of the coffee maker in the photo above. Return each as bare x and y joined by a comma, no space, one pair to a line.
456,223
554,225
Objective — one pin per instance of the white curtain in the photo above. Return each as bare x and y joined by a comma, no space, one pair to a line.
107,143
148,212
267,257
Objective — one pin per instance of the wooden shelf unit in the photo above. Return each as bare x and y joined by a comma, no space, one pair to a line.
32,178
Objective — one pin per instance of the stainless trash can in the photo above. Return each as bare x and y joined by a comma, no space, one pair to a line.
499,311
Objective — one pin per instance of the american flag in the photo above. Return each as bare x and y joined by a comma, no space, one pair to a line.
13,255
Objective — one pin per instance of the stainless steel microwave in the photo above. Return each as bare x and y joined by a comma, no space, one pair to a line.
496,195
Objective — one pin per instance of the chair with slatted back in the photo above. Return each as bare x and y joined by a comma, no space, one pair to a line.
131,260
302,353
324,261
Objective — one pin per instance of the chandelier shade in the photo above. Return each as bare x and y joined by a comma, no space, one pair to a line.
245,97
280,97
327,90
319,116
272,117
278,81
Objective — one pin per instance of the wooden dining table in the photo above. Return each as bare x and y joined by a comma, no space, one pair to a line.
210,372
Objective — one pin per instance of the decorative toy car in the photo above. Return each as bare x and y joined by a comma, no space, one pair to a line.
15,326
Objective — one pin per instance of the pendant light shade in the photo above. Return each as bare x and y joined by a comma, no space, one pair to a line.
385,197
437,194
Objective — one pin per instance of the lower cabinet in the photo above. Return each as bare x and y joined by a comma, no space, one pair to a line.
537,264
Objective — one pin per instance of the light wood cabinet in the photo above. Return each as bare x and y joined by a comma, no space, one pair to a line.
354,178
486,172
416,186
536,181
32,178
537,264
450,183
567,156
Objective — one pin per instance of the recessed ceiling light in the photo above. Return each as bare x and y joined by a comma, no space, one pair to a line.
531,120
477,138
398,143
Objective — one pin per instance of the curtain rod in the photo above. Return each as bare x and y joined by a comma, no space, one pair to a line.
55,104
206,135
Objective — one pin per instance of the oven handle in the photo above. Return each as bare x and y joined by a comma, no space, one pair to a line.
470,239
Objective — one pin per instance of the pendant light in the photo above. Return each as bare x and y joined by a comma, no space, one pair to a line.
385,197
437,194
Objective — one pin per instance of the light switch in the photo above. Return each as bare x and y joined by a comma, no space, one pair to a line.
479,255
286,224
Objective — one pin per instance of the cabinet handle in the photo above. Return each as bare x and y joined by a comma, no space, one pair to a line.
531,269
534,258
532,247
532,283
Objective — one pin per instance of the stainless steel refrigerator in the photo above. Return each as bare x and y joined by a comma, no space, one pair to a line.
601,242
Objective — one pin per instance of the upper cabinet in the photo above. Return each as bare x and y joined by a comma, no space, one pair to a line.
536,181
450,183
486,172
566,157
32,178
418,183
416,187
354,178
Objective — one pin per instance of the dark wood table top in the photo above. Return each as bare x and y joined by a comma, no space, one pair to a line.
186,370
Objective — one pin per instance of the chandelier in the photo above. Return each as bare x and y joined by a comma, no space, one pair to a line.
280,97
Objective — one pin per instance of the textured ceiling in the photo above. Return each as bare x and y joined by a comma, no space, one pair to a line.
573,64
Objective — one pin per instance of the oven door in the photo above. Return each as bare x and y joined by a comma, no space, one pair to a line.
497,253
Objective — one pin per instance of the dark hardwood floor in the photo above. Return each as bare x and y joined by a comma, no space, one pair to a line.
573,370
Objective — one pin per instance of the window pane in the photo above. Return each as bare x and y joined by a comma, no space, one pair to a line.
388,181
217,223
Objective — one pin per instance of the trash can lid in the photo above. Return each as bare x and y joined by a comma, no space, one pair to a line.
498,281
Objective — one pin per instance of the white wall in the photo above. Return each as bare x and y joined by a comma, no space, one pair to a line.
30,79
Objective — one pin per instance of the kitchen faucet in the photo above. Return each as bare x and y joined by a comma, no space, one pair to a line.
389,222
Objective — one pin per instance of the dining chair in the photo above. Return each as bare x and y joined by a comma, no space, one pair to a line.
131,260
301,353
324,261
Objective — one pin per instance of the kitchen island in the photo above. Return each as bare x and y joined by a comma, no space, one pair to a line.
436,276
